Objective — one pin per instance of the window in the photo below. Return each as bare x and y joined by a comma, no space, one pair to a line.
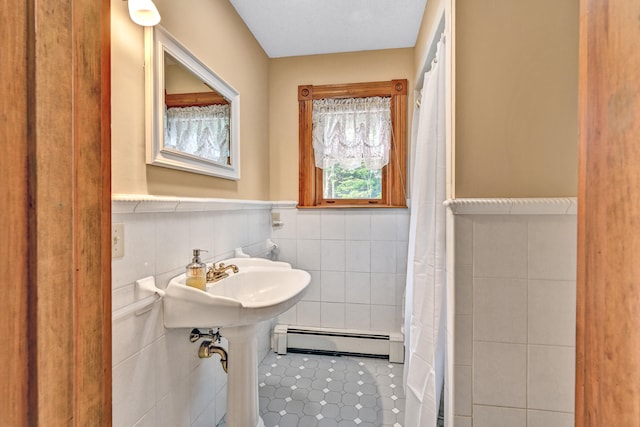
363,163
199,131
196,123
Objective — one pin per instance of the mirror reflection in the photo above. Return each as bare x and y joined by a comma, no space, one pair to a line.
192,115
196,117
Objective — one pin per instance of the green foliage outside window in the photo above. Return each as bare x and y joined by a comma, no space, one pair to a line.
360,183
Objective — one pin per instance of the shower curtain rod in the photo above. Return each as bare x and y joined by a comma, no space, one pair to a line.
431,52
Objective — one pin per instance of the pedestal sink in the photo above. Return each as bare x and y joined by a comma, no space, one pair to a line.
243,263
236,304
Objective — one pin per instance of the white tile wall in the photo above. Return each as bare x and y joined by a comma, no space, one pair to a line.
492,416
358,256
358,316
515,320
383,226
315,287
383,288
464,289
552,248
173,408
552,312
158,380
308,224
459,421
500,310
332,225
332,255
135,333
332,315
358,288
464,340
384,256
308,254
549,419
463,382
175,359
139,248
500,374
307,314
203,389
499,246
133,387
358,225
551,378
384,318
148,420
357,259
332,286
515,306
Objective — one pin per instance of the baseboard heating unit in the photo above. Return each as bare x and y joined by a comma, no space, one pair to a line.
338,341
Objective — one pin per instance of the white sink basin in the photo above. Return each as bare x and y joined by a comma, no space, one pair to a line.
254,294
243,263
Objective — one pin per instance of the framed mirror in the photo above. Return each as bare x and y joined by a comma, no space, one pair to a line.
192,115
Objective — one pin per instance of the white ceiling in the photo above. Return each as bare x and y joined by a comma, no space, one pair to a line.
309,27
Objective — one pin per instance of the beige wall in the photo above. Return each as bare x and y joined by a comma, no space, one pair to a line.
214,32
179,79
432,13
515,105
285,76
516,98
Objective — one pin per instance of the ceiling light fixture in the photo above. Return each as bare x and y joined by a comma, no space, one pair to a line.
144,12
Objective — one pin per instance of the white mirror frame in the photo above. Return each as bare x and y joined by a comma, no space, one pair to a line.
157,42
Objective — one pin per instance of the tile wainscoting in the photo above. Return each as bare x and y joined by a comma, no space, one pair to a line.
357,259
515,284
158,379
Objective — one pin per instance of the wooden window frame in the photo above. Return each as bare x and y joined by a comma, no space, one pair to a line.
393,174
197,99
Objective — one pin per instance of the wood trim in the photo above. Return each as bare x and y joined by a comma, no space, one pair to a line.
92,214
579,413
106,402
52,190
55,175
397,185
307,166
608,298
15,266
394,174
305,93
196,99
353,90
320,201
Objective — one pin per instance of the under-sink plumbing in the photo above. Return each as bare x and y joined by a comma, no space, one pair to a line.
197,334
208,347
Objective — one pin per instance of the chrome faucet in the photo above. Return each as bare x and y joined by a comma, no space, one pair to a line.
218,273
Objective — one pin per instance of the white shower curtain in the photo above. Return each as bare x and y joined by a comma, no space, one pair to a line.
425,309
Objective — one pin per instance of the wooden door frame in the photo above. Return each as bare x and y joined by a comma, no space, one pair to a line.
55,172
608,291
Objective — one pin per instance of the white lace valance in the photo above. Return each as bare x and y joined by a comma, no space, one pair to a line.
201,131
349,132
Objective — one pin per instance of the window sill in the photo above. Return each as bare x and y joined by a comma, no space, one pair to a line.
354,206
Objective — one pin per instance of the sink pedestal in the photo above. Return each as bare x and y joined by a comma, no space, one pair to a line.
237,304
242,379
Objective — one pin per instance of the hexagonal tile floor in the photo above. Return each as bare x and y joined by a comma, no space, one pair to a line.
301,390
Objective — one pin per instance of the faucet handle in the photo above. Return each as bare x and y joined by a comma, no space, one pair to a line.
211,272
